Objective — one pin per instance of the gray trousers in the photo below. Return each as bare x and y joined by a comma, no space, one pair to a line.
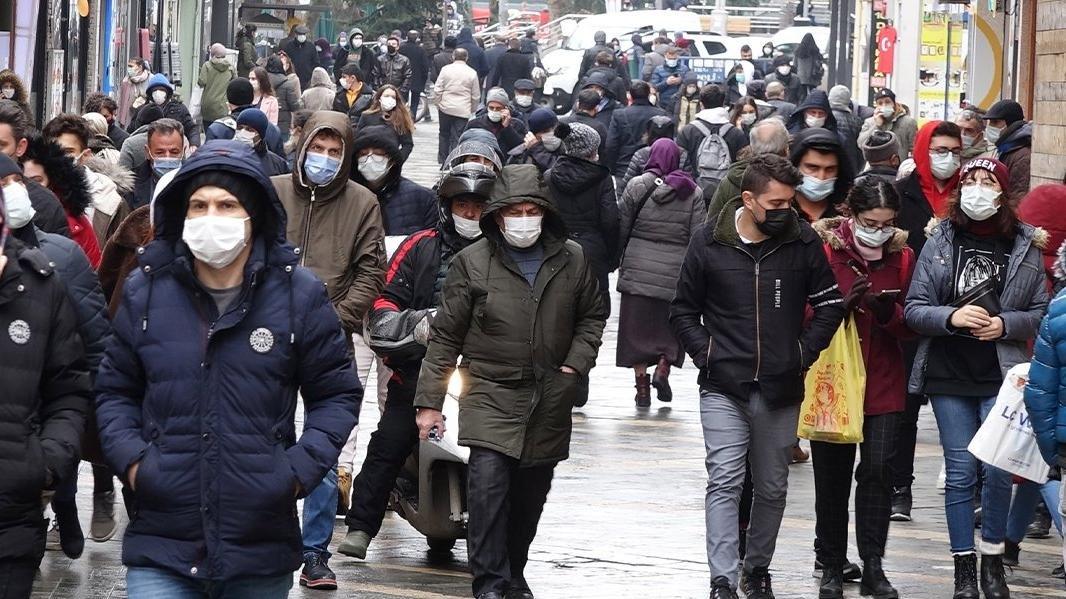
736,432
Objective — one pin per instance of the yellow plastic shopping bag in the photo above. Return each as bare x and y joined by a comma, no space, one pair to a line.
834,391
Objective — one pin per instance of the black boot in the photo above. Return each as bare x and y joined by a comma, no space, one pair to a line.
993,578
71,538
1011,553
832,585
874,582
643,398
966,577
661,380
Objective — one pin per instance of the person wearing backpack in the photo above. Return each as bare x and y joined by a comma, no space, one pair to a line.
711,142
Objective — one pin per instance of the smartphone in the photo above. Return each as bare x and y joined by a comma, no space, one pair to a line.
889,292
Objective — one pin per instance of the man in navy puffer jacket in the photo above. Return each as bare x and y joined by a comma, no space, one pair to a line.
217,331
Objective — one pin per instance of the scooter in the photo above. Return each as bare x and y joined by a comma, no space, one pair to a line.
430,491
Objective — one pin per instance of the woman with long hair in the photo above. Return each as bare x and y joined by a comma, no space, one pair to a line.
744,113
659,210
871,261
263,94
976,300
388,108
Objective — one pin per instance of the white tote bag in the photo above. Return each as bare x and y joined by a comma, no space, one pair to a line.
1006,439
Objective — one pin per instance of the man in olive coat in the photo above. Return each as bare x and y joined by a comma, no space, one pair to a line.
523,309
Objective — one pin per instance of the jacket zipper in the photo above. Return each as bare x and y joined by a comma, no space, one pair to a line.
307,229
758,322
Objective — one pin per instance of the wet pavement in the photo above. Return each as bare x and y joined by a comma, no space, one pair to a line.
624,518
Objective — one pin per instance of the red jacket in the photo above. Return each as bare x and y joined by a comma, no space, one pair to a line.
886,376
81,231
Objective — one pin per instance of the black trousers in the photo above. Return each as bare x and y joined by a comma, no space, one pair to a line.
16,577
906,439
394,439
450,128
505,503
415,98
833,466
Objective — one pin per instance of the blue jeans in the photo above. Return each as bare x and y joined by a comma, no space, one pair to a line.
320,509
151,583
1022,509
958,419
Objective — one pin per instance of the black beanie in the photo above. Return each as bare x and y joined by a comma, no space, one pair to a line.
239,92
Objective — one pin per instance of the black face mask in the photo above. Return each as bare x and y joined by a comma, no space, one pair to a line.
776,222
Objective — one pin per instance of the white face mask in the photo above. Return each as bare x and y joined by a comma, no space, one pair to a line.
872,238
784,71
550,142
159,96
747,119
8,92
815,189
357,42
373,167
523,100
968,141
814,122
992,134
495,115
887,111
388,103
521,231
671,62
344,83
466,228
979,202
19,208
301,38
245,136
944,167
215,240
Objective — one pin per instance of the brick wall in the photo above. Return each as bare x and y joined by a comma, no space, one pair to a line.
1049,93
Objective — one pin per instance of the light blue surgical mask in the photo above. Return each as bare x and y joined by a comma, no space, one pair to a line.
815,189
741,78
320,168
162,166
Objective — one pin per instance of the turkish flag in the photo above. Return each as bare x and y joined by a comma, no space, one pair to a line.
886,49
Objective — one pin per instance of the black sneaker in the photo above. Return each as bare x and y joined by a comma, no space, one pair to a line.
1059,572
756,584
316,574
852,572
720,589
901,504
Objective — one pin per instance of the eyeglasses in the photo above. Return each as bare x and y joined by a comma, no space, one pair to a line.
877,226
946,151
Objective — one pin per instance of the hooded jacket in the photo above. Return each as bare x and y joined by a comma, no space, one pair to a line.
882,354
49,216
823,139
214,77
112,190
364,57
816,99
46,395
1024,297
336,226
508,137
901,123
287,91
172,109
246,54
406,207
916,209
653,241
320,94
204,402
476,59
224,128
22,97
514,337
583,194
741,319
1014,149
70,185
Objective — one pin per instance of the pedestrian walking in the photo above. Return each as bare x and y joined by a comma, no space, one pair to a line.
667,79
585,113
849,125
659,212
743,114
627,127
465,40
161,94
395,69
766,137
749,341
542,145
456,93
48,165
46,383
219,231
406,206
513,448
710,141
826,171
359,55
389,109
870,259
106,106
510,132
398,327
420,68
523,105
895,117
783,74
240,95
263,97
252,127
583,192
606,103
247,57
303,54
325,55
215,75
1013,137
132,91
659,127
974,143
809,63
880,152
967,347
687,102
775,97
354,95
287,90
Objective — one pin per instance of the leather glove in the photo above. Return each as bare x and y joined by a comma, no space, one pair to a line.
882,306
855,294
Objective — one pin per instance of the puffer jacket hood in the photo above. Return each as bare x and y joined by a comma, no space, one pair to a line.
823,139
321,121
159,80
172,203
8,77
519,183
68,182
378,136
816,99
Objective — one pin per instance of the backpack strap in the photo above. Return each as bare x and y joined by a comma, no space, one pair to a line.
636,214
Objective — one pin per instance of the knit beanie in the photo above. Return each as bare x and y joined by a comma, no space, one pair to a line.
997,168
239,92
542,119
880,146
254,118
840,95
497,94
579,140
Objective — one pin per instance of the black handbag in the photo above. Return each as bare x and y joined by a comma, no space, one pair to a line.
983,295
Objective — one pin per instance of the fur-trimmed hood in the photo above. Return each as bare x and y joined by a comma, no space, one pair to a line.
108,183
7,76
829,230
123,178
1037,235
70,183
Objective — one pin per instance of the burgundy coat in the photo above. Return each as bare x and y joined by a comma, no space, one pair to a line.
886,375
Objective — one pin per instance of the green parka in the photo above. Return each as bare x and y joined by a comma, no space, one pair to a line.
214,78
514,338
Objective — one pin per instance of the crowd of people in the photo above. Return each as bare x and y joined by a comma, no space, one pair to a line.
161,289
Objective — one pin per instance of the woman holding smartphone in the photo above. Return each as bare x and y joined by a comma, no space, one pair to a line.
873,267
978,295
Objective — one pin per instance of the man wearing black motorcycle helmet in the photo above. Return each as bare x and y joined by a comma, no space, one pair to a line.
398,331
